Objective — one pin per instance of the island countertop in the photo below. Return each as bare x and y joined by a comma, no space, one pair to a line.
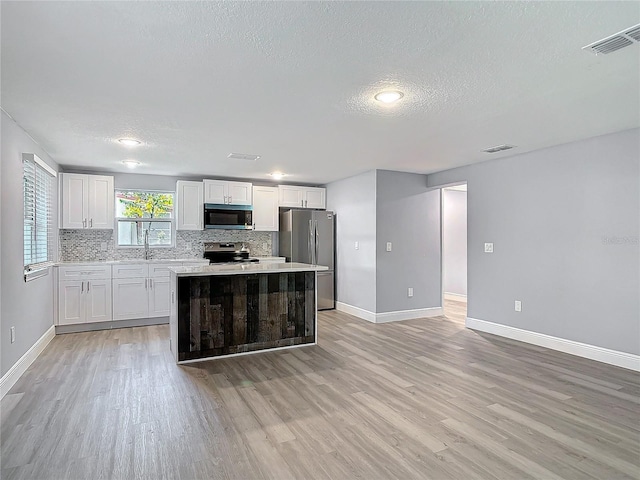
245,269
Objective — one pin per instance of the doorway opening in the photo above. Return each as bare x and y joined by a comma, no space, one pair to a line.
454,252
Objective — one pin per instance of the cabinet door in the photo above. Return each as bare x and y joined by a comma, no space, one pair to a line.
239,193
71,302
291,196
98,301
75,193
265,209
159,297
101,202
215,191
189,208
315,198
130,298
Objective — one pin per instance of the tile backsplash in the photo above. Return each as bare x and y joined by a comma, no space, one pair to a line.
89,245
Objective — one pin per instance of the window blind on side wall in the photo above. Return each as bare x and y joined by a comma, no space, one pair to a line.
38,213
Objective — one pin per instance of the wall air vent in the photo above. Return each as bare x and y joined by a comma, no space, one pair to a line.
243,156
615,42
498,148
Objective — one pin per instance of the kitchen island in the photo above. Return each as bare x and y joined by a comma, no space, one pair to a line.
222,310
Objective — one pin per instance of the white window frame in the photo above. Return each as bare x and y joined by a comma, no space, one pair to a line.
41,176
171,219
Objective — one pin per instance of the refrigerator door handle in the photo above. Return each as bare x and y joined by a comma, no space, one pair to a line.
310,241
317,242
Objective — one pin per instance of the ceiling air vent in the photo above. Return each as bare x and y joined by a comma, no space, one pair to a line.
243,156
498,148
616,42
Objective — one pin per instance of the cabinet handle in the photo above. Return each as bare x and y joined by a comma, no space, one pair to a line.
225,199
229,198
151,283
146,283
88,286
82,291
302,203
306,203
84,223
91,223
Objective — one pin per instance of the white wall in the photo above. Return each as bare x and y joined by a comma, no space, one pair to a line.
27,306
565,223
354,201
454,241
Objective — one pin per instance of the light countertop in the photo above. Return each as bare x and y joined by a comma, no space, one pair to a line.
134,261
246,269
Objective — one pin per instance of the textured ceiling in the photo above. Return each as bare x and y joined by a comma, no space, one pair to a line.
293,82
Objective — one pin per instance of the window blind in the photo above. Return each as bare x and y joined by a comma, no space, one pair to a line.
38,214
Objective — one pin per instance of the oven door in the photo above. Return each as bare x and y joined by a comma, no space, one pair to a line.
230,217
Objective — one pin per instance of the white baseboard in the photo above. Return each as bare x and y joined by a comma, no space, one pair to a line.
10,378
356,312
600,354
400,315
388,316
455,296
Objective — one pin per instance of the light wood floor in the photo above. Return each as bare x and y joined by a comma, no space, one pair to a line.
409,400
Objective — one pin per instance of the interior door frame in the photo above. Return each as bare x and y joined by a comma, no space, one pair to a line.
440,189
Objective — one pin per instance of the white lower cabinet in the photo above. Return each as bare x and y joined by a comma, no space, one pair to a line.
100,292
84,301
130,298
159,297
142,290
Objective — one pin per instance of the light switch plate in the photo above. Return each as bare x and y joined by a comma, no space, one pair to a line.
518,306
488,248
388,246
357,245
13,334
410,292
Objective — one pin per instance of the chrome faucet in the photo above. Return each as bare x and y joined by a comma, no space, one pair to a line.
146,244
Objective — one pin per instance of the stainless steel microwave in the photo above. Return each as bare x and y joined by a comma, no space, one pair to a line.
230,217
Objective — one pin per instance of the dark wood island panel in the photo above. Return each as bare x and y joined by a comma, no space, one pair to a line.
228,314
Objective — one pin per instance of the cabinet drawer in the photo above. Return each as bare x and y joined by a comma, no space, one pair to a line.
130,270
84,272
159,270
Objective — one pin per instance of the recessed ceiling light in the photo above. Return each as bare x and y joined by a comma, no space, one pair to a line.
129,142
389,96
131,163
278,175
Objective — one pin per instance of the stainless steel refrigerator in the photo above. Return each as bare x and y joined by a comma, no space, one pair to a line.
307,236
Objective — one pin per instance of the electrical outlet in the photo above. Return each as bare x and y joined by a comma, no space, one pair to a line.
265,245
103,246
388,246
488,248
410,292
357,245
518,306
13,334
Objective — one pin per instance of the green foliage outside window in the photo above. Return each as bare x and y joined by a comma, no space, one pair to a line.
146,204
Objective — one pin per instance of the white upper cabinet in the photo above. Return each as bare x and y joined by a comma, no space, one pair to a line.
101,201
265,209
189,205
315,198
87,201
302,197
226,192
